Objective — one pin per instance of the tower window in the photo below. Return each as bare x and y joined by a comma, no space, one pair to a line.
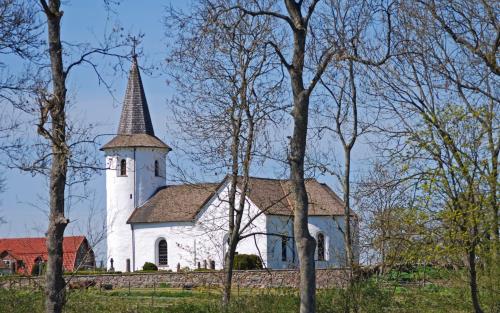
284,243
123,167
321,246
157,168
162,252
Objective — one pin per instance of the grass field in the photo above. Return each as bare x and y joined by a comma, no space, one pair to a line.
404,294
398,299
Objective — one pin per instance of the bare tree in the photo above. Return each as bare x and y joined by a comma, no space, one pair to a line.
2,189
307,51
337,116
20,37
226,104
60,150
443,97
19,29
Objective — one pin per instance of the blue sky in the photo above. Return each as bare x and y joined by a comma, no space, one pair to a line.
23,204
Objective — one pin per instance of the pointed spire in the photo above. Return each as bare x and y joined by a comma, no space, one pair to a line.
135,118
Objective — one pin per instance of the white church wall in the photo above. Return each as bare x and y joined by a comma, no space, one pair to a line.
334,241
181,244
120,204
125,192
146,180
280,225
204,240
213,225
283,225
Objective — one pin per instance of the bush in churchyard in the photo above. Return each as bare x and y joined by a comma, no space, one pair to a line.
148,266
247,262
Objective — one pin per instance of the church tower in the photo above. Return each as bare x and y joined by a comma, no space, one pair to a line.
135,169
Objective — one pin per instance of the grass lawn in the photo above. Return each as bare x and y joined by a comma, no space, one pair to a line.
430,298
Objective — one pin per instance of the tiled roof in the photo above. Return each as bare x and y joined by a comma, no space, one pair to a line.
28,249
272,196
136,140
174,203
135,128
275,197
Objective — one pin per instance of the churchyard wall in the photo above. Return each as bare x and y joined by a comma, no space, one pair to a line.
325,278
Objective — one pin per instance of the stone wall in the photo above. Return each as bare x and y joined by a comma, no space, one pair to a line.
325,278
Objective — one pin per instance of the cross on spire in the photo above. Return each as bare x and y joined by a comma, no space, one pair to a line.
135,43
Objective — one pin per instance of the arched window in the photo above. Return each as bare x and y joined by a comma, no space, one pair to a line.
162,252
321,246
284,243
123,167
157,168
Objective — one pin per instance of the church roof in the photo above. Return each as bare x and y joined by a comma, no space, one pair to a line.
136,140
175,203
274,197
135,128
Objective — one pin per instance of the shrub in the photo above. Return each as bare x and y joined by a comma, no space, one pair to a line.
148,266
247,262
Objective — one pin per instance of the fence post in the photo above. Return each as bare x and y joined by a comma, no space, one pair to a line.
154,293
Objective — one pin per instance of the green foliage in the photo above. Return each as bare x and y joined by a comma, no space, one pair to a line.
247,262
367,296
416,273
148,266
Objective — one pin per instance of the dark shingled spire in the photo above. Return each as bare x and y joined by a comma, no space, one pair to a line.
135,118
135,129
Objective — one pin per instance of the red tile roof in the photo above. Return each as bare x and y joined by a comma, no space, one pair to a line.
28,249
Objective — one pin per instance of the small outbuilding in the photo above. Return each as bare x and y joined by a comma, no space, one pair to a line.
21,255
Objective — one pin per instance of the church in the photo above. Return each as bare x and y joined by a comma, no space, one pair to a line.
185,226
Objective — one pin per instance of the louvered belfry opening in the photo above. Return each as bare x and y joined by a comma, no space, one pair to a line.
135,117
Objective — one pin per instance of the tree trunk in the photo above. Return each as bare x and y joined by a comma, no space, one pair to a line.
350,299
305,242
228,271
473,280
306,245
347,213
55,105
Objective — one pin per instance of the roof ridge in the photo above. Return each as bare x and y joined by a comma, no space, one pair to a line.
263,178
193,184
44,238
